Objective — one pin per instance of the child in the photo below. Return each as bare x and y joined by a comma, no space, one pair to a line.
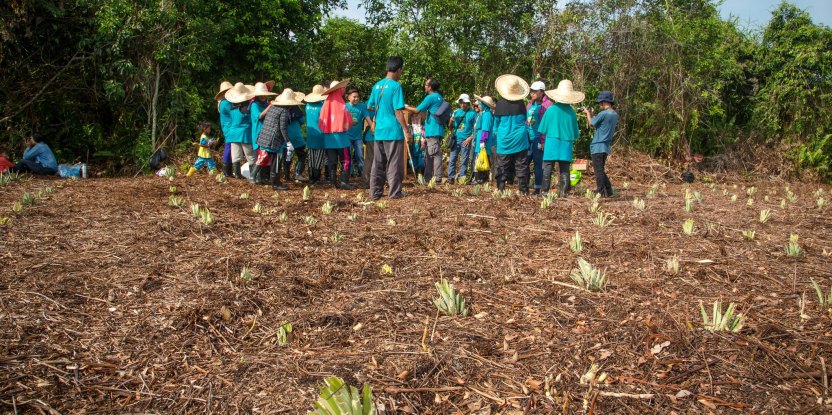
203,155
604,124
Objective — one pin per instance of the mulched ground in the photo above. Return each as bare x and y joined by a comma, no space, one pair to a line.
111,301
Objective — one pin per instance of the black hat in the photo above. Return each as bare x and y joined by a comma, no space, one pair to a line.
605,96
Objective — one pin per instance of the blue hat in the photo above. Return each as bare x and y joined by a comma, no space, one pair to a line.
605,96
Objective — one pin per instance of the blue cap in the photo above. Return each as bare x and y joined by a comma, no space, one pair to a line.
605,96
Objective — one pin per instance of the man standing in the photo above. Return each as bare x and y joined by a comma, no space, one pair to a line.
534,113
463,122
434,130
390,130
358,111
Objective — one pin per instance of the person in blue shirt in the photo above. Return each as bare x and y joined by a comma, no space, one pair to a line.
434,131
560,126
534,113
512,132
390,130
314,136
239,127
604,124
485,137
358,111
37,158
463,122
224,109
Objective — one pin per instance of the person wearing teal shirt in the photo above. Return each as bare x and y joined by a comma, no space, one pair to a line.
463,122
257,106
534,113
434,131
298,145
358,111
387,99
239,126
314,137
485,135
224,109
512,132
560,126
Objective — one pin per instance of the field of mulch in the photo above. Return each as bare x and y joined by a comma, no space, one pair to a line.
111,301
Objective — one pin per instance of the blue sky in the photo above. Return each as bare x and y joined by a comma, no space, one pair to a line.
751,13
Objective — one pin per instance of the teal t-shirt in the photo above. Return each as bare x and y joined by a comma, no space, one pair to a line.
512,134
225,116
369,137
314,136
257,107
604,123
560,126
358,113
295,133
386,98
430,104
464,123
533,121
485,122
239,126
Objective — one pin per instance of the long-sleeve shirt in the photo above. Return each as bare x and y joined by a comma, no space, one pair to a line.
41,154
275,130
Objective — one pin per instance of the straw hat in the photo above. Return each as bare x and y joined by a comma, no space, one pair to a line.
565,93
262,90
486,100
224,86
336,85
512,87
239,93
316,94
288,97
270,84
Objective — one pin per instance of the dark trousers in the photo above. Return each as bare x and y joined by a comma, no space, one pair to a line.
34,167
369,152
388,162
513,165
602,181
563,167
333,156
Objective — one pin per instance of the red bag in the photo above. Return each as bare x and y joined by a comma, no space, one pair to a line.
263,158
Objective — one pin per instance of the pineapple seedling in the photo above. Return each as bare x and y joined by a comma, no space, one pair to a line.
782,203
575,243
449,302
420,180
391,222
825,301
205,216
748,235
688,227
791,196
258,208
639,204
432,183
338,398
765,215
821,202
698,196
381,204
672,265
195,209
593,208
48,189
307,193
462,180
496,194
589,277
689,205
309,220
475,191
327,208
28,199
751,191
220,178
625,185
170,173
546,203
172,189
283,217
5,220
352,217
386,270
719,321
589,194
336,237
243,196
486,187
17,207
507,193
175,201
245,277
283,333
602,219
750,202
793,248
734,198
458,192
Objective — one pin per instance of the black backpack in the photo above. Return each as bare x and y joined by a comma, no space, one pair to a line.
443,113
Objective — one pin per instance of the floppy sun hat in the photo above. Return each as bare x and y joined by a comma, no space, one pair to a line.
336,85
511,87
224,86
486,100
565,93
316,94
239,93
262,90
289,97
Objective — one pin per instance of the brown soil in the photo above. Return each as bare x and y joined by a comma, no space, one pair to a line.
111,301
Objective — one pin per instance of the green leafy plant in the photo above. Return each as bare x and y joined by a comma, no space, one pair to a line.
589,194
750,202
507,193
283,217
765,215
639,204
449,302
220,178
545,203
381,204
748,235
336,237
283,333
496,194
672,265
793,248
338,398
593,208
28,199
172,189
698,196
5,220
175,201
245,277
720,321
17,207
386,270
821,202
790,195
782,203
751,191
602,219
625,185
420,180
486,187
307,193
352,217
391,222
475,190
589,277
734,198
8,177
309,220
258,208
689,205
169,172
575,243
327,208
688,227
458,192
48,189
195,209
243,196
432,183
205,216
825,301
462,180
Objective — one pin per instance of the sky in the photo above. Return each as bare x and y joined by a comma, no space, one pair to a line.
751,13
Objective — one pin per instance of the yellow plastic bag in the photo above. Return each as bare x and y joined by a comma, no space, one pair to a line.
482,162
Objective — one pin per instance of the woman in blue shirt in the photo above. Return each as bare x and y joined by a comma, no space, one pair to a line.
512,132
485,136
314,137
37,158
560,126
239,127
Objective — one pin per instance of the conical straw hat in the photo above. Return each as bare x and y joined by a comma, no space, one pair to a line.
287,97
565,93
224,86
336,85
262,90
512,87
487,100
316,94
239,93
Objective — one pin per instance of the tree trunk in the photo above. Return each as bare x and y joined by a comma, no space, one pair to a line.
154,105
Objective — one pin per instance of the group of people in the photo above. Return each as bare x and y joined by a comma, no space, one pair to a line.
265,128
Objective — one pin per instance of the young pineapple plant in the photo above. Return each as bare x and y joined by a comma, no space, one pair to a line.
545,203
28,199
170,173
462,180
352,217
220,178
689,205
589,194
327,208
386,270
625,185
283,333
458,192
337,237
245,277
420,180
602,219
593,208
175,201
5,220
449,302
749,234
381,204
765,215
688,227
750,202
486,188
639,204
734,198
575,243
243,196
496,194
782,203
589,277
672,265
432,183
283,217
821,202
825,300
720,321
338,398
698,196
790,195
172,189
17,207
309,220
307,194
751,191
793,248
195,209
205,216
258,208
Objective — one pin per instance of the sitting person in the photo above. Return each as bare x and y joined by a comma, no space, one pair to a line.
37,158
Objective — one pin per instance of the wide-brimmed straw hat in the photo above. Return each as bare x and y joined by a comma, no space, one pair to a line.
316,94
270,84
486,100
239,93
289,97
512,87
565,93
262,90
335,85
224,86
